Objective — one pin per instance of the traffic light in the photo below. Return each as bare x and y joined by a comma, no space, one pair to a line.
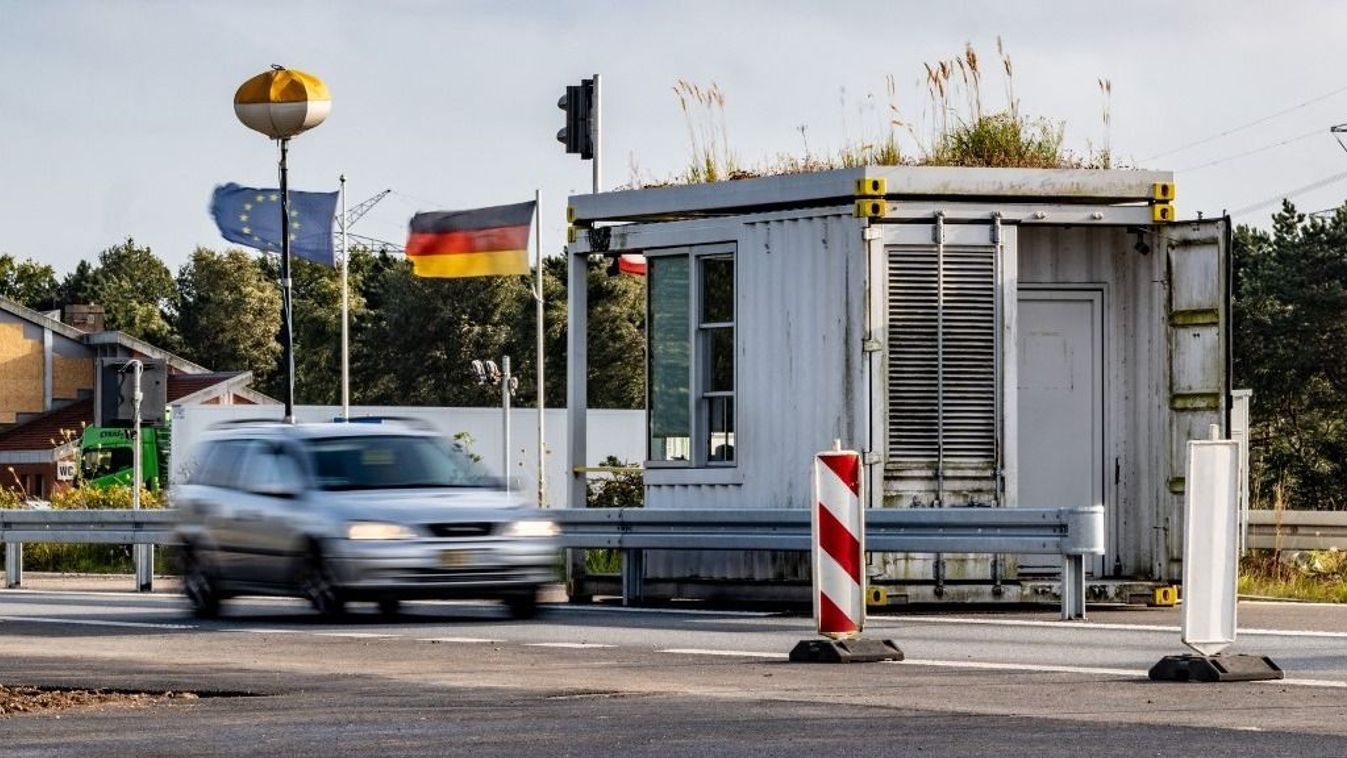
577,135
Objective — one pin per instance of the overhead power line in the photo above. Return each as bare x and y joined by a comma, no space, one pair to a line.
1242,127
1289,194
1254,151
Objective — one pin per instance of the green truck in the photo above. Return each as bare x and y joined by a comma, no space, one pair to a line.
106,455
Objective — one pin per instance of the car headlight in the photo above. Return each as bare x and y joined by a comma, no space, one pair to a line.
378,530
533,528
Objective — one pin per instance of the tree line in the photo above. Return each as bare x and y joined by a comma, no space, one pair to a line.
412,339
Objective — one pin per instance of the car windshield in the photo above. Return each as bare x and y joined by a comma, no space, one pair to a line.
103,461
379,462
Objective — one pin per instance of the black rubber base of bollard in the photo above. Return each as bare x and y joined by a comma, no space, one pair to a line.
1215,668
859,650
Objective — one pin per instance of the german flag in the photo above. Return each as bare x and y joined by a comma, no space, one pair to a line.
479,242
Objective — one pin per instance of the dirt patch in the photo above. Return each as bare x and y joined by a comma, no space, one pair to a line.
17,700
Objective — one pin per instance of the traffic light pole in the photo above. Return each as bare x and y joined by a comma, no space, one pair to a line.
594,116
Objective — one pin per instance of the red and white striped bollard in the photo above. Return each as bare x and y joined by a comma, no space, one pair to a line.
839,544
839,565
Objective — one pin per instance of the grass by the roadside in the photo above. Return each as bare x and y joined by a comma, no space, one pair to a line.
91,559
1315,575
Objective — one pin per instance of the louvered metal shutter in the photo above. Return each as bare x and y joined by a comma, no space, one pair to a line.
942,353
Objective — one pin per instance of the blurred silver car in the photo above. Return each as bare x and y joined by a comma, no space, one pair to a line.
354,512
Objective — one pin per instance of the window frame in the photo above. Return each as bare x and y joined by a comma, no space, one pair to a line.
703,394
699,369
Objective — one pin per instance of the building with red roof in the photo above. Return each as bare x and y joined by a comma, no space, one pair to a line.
50,388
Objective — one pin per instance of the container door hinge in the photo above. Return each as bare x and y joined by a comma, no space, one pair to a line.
872,346
872,458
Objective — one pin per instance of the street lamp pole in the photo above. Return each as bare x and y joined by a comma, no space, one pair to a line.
288,324
143,553
281,103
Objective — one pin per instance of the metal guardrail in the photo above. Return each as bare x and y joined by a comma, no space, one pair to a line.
92,527
1297,530
1071,533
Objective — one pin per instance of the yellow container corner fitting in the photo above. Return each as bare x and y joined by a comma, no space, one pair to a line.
873,186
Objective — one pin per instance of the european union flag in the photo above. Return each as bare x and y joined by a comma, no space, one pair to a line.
252,217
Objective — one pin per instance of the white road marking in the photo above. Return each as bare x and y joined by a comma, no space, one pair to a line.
728,653
355,635
466,640
1032,667
159,597
251,630
96,593
86,622
1335,684
575,645
1299,603
1130,673
1290,633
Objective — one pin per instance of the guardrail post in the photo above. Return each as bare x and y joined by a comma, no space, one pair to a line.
13,565
1073,587
633,576
144,559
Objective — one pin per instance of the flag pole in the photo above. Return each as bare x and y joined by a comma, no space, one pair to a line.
538,310
345,313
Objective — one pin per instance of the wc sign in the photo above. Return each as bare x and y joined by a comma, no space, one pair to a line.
65,471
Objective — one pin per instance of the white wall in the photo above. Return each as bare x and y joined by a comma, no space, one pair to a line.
611,432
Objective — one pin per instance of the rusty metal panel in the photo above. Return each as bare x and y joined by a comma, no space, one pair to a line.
1197,271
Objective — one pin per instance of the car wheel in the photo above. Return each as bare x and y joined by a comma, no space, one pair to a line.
320,588
389,607
199,587
523,605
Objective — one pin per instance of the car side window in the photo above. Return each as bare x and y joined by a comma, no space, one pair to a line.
219,464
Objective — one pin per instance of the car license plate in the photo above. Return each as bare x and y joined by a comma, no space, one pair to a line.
454,558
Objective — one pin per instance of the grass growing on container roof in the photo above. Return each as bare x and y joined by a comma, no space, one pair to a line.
959,130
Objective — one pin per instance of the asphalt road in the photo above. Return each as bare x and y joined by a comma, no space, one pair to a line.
461,678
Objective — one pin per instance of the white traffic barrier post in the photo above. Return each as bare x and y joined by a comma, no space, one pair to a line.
838,551
1211,571
13,565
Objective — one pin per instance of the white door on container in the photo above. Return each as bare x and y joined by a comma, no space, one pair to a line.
1059,344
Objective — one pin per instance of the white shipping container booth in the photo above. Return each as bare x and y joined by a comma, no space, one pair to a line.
986,337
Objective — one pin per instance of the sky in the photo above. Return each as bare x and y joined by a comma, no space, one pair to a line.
116,116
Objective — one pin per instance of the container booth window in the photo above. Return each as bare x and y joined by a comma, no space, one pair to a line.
690,304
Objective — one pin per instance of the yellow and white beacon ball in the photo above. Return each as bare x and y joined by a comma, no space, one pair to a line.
282,102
